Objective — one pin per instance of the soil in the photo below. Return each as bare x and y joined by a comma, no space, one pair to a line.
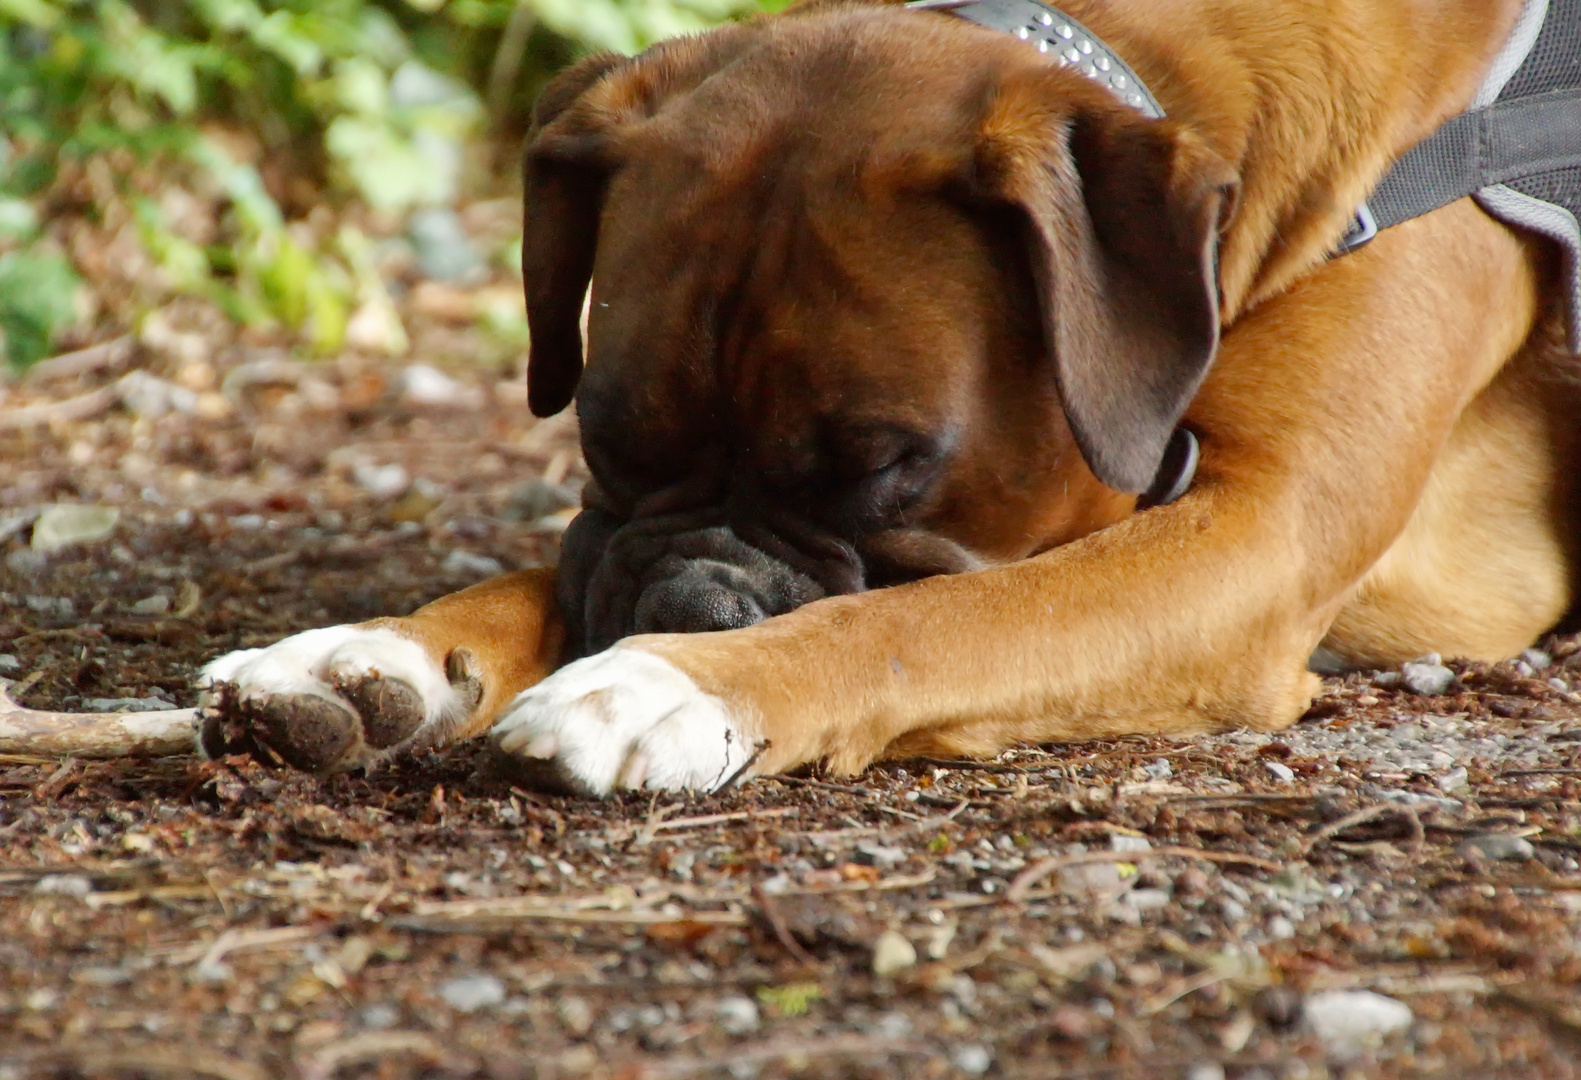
189,918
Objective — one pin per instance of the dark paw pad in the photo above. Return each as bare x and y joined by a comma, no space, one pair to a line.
304,731
392,710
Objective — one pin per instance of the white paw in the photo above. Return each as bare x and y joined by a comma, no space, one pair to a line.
336,698
315,661
626,719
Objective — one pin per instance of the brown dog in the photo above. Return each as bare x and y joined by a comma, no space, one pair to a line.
884,298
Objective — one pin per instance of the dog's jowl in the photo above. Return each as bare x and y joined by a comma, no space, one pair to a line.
963,376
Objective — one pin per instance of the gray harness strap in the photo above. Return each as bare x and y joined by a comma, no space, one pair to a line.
1517,150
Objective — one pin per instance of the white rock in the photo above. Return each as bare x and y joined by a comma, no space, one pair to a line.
62,525
1454,780
1205,1070
1121,842
64,885
473,992
737,1015
382,481
973,1059
1536,659
1424,678
1498,846
1280,771
465,564
424,385
892,954
1352,1022
576,1014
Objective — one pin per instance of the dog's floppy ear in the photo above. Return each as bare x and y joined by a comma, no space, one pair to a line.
1121,217
563,181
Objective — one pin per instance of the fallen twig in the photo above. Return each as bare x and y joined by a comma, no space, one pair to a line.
106,354
1022,885
82,407
674,1068
364,1048
655,826
771,914
1366,814
166,733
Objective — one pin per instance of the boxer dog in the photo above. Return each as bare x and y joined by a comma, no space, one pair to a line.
893,322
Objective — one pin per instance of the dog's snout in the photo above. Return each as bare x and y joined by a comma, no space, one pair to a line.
704,595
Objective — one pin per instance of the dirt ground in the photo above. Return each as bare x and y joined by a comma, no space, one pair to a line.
1125,908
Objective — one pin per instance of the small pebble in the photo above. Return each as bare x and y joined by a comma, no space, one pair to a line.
892,954
736,1015
473,992
1351,1022
425,385
972,1059
1148,899
1454,780
1535,659
1281,928
63,885
382,481
869,853
537,499
1121,842
1205,1070
1497,846
379,1016
158,604
577,1015
1160,769
127,704
9,664
1426,678
1280,770
63,525
465,564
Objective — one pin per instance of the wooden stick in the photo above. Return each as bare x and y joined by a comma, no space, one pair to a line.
34,732
1044,867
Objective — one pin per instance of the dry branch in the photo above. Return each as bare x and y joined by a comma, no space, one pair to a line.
94,735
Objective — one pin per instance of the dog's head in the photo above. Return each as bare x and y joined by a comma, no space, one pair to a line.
876,294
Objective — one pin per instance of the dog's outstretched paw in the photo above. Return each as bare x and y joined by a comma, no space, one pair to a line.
623,719
334,699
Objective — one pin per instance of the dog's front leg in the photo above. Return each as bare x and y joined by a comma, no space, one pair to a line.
1190,617
344,696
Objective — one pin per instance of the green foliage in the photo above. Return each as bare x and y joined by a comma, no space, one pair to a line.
792,999
379,97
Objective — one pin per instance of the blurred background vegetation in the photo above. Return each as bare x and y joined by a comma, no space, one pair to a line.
269,156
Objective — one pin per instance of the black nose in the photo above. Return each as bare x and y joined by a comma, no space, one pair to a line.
704,595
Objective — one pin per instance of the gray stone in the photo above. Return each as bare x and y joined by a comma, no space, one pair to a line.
61,607
382,481
872,853
1454,780
1121,842
536,499
158,604
1351,1023
1497,846
77,885
473,992
25,562
379,1016
1159,769
128,704
466,564
973,1059
1425,679
737,1015
1536,659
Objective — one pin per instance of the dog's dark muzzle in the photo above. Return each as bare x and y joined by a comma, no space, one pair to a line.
688,572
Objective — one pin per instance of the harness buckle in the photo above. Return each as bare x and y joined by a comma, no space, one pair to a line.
1363,227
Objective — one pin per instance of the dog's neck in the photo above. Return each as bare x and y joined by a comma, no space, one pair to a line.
1061,38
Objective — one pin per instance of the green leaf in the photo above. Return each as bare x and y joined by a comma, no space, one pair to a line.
38,293
37,13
